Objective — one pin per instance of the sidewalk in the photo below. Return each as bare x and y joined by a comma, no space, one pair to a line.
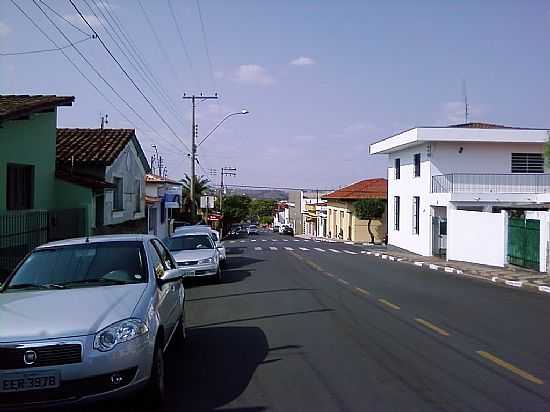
507,276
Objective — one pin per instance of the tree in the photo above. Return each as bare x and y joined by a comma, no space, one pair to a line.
261,207
547,151
368,209
266,220
235,210
201,187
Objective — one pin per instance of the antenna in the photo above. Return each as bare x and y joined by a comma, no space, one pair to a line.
104,120
466,108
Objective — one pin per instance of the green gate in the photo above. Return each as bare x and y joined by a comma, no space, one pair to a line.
523,242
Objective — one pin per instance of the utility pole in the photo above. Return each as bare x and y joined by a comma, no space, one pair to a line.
194,146
225,171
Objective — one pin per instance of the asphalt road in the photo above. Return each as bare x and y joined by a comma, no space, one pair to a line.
305,326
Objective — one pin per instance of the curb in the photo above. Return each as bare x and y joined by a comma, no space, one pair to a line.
449,269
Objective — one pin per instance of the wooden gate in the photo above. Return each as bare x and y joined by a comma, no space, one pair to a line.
524,242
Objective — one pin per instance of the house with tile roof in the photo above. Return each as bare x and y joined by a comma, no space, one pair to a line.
341,221
109,167
476,192
157,214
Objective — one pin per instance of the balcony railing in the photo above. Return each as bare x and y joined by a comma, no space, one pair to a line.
491,183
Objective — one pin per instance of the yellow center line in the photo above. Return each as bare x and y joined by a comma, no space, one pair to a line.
363,291
388,303
525,375
432,327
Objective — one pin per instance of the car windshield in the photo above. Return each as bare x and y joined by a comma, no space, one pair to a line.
190,242
94,264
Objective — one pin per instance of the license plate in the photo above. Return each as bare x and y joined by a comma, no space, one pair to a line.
19,382
188,273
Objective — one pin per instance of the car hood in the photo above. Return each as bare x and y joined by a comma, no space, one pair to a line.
198,254
33,315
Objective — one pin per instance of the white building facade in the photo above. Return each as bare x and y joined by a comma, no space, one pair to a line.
447,185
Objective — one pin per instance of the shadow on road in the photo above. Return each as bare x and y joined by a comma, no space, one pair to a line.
258,292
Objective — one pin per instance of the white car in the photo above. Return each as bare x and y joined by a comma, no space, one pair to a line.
252,230
196,252
205,229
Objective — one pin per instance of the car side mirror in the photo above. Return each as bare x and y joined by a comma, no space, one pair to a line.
171,275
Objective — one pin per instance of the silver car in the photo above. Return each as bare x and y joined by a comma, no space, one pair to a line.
89,318
196,251
206,229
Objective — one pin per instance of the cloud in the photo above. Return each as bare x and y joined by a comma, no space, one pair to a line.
302,61
4,29
454,112
253,74
77,20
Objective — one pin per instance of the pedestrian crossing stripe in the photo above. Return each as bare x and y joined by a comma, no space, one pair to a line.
257,248
272,248
319,249
288,248
349,252
303,248
253,240
335,251
264,240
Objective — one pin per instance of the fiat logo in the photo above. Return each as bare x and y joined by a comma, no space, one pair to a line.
30,357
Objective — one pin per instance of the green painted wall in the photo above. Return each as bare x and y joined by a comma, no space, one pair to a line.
31,142
70,195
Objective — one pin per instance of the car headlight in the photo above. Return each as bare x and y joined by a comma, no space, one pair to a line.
207,261
119,332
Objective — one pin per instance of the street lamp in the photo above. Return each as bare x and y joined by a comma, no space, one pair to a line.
244,111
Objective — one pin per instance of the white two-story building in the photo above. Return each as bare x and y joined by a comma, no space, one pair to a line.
474,192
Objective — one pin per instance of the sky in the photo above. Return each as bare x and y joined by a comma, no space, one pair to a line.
322,79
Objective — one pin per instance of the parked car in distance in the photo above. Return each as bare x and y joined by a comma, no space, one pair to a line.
206,229
252,230
288,230
87,319
275,228
196,252
281,228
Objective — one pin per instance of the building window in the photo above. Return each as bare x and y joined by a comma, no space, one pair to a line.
138,196
397,169
396,211
527,163
118,194
19,187
416,215
417,165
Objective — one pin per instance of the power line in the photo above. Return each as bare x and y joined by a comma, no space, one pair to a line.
180,34
46,50
70,61
136,67
128,76
93,67
65,19
157,39
206,44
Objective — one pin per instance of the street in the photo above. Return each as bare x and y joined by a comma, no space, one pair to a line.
314,326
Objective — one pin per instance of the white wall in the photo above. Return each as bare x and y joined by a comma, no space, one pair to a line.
544,218
477,157
406,187
477,237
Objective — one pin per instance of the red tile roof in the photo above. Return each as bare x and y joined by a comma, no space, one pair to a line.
91,146
477,125
364,189
17,106
151,178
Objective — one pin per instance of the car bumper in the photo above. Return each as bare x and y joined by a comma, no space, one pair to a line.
201,270
89,380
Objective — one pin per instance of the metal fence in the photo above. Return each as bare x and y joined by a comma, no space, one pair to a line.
22,231
491,183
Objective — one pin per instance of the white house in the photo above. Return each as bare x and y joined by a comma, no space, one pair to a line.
157,213
454,190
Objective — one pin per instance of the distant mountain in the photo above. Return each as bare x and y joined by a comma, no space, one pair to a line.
270,194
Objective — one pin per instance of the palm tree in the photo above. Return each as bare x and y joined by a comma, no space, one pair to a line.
201,187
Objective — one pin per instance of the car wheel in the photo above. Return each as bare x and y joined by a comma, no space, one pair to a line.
155,393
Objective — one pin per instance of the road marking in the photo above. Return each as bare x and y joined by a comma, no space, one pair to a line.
274,240
253,240
369,252
349,252
296,240
363,291
345,282
285,240
272,248
242,241
264,240
433,267
449,270
432,327
388,303
510,367
306,240
384,256
377,254
303,248
348,243
515,283
288,248
418,263
335,251
319,249
257,248
232,241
